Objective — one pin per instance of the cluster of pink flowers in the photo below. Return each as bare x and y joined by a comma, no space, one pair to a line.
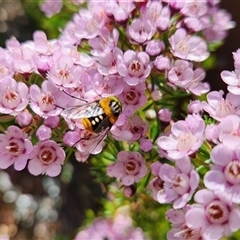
145,53
119,228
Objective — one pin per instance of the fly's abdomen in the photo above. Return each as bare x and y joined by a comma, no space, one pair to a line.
96,124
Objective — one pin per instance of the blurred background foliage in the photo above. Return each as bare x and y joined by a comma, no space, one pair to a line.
44,208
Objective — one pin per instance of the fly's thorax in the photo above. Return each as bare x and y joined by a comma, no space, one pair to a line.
112,108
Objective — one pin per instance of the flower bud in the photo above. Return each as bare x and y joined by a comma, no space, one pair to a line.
44,133
129,191
52,121
195,107
146,145
24,118
161,63
165,115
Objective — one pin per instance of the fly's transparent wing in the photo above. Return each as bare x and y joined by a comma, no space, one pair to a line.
84,111
92,145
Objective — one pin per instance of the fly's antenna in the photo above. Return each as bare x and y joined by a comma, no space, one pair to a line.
75,97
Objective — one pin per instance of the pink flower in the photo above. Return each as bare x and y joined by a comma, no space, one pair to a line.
179,229
184,76
140,31
43,133
45,101
129,129
119,228
188,47
157,15
130,167
13,96
165,115
15,148
50,7
134,67
224,177
103,44
179,184
65,73
46,158
23,56
195,107
218,107
6,64
154,47
132,98
185,139
215,215
119,10
24,118
146,145
233,81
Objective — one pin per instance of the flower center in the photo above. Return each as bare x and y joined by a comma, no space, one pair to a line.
15,147
47,155
217,212
232,172
185,141
136,68
224,108
11,99
188,233
180,183
132,167
64,74
47,102
131,97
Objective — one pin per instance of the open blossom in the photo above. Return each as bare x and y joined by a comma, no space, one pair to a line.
64,73
179,229
130,167
132,98
13,97
186,137
188,47
15,148
214,214
156,14
46,158
6,64
179,183
182,74
224,176
45,101
134,67
218,107
140,31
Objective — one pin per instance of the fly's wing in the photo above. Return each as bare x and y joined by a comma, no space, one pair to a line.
84,111
92,145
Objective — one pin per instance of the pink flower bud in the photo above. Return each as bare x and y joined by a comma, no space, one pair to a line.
162,63
24,118
165,115
129,191
71,138
52,121
195,107
44,133
146,145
